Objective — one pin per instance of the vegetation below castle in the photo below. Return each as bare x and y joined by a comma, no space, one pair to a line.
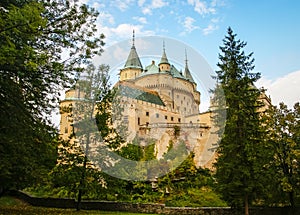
184,186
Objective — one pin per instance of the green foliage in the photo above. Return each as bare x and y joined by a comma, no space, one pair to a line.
176,130
241,155
284,136
10,201
195,197
34,68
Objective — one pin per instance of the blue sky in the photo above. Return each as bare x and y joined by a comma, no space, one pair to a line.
270,28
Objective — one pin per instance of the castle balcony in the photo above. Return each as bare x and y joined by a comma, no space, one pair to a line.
146,128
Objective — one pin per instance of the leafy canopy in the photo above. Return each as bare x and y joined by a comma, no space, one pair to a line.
44,44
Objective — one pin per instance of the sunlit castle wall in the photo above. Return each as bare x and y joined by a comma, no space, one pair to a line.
179,94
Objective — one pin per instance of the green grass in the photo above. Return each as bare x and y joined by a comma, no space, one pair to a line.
9,205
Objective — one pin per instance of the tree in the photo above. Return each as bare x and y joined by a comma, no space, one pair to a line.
284,136
240,158
43,45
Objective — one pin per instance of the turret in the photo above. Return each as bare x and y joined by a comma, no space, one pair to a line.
187,73
133,66
164,64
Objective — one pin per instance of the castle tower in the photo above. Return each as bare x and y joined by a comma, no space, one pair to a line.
164,64
133,66
187,73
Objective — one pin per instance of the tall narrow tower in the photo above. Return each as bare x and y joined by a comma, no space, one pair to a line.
164,64
187,73
133,66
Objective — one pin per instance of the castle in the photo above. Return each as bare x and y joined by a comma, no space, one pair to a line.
155,100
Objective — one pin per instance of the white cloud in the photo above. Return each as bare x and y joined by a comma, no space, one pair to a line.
142,20
212,26
155,4
122,4
141,2
125,30
119,54
122,31
97,5
104,16
146,11
209,29
188,24
202,7
158,3
284,89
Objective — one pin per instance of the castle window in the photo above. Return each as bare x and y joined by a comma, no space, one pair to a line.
139,121
66,130
172,118
166,117
147,113
157,115
179,120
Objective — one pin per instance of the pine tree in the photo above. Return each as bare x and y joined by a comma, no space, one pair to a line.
239,153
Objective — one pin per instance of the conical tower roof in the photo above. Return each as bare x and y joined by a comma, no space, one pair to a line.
133,60
164,59
187,72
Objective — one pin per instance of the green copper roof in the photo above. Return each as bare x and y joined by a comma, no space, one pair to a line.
164,59
139,94
151,69
188,75
187,72
133,60
175,73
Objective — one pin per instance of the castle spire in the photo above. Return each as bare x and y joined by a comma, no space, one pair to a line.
164,63
187,72
133,37
186,60
133,60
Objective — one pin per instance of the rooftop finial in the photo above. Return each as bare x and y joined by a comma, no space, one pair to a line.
133,38
163,45
186,60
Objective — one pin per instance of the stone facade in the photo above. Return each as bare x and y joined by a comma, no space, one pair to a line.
156,98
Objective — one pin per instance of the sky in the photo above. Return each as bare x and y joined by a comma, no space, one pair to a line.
270,28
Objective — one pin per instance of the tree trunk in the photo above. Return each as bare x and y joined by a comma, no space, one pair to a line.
82,179
246,205
78,206
81,184
291,196
2,191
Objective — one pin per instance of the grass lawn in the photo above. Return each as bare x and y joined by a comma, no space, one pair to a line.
9,205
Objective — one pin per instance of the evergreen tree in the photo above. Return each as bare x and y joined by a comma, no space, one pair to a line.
239,161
